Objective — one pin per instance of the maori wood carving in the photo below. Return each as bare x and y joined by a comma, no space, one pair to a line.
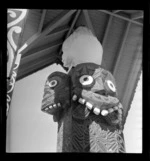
84,103
16,18
56,101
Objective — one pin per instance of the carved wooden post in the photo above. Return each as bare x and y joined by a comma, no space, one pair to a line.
85,105
56,101
90,117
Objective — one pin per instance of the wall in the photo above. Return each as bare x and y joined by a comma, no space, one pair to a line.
30,130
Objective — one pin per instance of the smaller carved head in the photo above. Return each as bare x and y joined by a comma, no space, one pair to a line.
56,94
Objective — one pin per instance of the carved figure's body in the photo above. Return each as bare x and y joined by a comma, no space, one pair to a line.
90,121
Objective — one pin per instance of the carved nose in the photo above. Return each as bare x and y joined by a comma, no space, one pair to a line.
84,70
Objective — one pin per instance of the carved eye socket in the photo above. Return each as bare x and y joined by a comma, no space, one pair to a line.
52,83
86,80
111,85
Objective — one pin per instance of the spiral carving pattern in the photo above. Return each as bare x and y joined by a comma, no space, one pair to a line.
13,27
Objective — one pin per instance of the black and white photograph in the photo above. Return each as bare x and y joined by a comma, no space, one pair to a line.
74,81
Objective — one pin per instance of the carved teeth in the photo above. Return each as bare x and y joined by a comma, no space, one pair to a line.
89,105
104,113
74,98
50,107
116,108
82,101
54,105
110,110
96,111
120,111
58,104
46,109
120,106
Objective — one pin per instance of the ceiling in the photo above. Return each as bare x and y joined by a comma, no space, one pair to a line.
119,31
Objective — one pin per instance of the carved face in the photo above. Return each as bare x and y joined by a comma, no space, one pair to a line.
94,87
56,93
91,82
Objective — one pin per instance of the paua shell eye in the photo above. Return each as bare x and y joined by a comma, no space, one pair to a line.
52,83
111,85
86,80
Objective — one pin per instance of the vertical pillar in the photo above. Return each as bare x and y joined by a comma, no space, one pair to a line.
16,20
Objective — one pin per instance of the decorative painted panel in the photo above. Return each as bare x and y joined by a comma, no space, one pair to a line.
16,18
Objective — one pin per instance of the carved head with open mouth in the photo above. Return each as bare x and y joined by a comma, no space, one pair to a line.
95,88
56,94
87,85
